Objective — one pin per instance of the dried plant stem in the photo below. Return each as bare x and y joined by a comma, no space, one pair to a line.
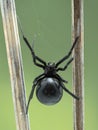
15,62
78,64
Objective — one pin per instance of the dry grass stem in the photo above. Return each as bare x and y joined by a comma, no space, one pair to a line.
9,19
78,64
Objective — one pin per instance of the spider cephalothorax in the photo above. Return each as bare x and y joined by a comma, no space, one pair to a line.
49,85
50,69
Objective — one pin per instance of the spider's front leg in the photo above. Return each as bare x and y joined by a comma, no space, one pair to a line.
35,58
65,67
41,63
69,53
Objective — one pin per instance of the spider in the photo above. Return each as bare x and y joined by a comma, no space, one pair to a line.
50,84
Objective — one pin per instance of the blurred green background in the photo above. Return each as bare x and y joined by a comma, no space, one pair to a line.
49,23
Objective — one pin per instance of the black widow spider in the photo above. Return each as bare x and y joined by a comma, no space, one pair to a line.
49,84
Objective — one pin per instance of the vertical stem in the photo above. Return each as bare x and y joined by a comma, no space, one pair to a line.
78,64
15,62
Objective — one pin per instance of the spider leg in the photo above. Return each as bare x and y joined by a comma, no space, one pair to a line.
35,58
37,79
30,96
60,78
70,93
65,67
69,53
40,76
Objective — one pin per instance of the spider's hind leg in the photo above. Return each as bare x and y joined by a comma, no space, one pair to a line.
37,79
70,93
30,96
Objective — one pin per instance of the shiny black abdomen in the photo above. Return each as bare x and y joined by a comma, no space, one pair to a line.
49,91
